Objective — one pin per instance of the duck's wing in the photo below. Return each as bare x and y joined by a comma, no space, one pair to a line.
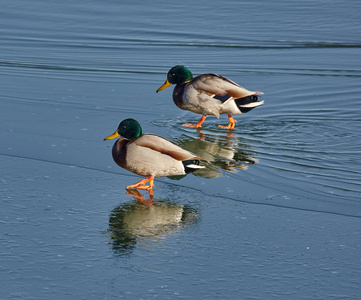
220,87
164,146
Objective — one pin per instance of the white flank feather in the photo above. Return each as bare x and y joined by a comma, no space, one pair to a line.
253,104
192,166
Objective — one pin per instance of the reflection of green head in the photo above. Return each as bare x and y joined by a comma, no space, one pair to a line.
122,242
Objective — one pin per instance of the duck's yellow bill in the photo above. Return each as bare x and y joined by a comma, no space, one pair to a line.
112,136
165,85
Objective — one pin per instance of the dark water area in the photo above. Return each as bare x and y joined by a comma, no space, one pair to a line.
276,214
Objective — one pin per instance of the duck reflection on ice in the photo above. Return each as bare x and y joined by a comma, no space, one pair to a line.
146,221
224,153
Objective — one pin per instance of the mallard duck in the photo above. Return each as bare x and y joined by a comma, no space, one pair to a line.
149,155
209,94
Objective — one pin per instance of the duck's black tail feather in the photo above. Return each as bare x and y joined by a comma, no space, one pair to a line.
248,103
191,165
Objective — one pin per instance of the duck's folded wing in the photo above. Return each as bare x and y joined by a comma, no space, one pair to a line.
220,87
163,146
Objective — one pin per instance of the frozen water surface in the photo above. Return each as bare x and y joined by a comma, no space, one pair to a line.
276,215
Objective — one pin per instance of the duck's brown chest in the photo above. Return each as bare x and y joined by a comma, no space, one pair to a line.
178,95
119,152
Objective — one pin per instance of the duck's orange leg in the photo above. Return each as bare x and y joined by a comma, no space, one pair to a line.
232,123
199,124
141,184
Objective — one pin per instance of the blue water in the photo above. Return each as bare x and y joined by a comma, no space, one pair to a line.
276,214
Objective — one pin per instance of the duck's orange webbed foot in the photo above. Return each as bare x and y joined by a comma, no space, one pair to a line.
199,124
141,185
232,123
190,125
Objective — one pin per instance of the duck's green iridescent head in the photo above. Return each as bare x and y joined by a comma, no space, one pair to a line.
177,75
128,128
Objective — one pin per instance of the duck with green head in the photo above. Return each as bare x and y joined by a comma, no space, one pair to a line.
149,155
209,94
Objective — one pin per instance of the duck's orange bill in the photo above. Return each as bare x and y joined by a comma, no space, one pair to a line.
165,85
112,136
